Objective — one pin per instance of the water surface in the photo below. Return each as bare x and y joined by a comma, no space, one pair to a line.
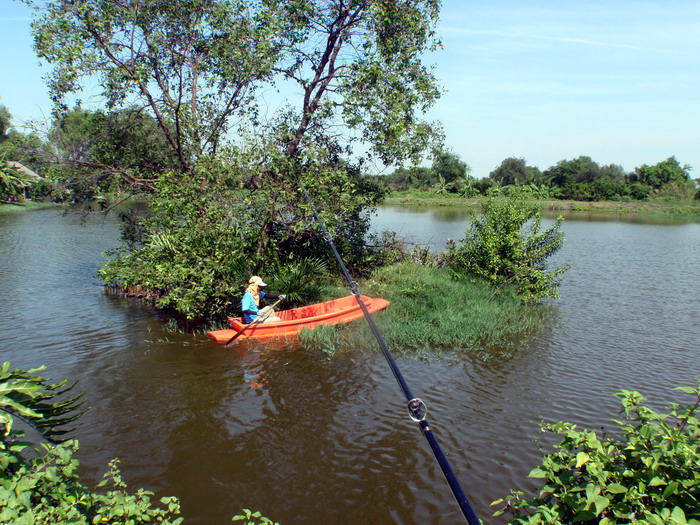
305,439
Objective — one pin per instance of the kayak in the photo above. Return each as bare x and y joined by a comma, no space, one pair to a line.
337,311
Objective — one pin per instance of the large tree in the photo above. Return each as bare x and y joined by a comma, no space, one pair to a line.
662,173
579,170
95,151
5,122
511,171
351,83
449,166
197,64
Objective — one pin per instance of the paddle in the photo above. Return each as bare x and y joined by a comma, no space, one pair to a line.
250,324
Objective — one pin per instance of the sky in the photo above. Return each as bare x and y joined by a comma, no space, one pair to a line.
540,80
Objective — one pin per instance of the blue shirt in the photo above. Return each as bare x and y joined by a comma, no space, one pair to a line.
248,303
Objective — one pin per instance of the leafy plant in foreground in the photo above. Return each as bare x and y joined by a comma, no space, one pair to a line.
253,518
43,486
647,473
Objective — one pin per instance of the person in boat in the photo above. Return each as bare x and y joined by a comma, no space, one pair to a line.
250,304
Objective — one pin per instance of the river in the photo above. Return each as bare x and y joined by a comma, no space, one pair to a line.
306,439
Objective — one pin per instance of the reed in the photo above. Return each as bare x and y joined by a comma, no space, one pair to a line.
433,313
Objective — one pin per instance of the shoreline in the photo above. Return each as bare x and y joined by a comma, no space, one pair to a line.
12,207
603,207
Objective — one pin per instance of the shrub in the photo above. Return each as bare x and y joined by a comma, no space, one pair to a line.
647,471
504,246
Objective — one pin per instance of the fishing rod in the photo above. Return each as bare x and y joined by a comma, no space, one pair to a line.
417,409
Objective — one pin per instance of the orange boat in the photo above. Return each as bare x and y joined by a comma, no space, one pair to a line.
337,311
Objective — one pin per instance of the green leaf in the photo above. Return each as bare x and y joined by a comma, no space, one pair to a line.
657,481
670,489
585,515
601,504
537,473
581,459
678,516
616,488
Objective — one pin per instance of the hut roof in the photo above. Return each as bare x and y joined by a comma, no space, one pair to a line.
24,169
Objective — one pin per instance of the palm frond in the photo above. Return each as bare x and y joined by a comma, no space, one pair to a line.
40,404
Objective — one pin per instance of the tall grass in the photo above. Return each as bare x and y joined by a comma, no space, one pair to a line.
434,313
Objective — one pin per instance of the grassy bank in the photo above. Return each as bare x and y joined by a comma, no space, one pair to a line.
432,314
13,207
429,199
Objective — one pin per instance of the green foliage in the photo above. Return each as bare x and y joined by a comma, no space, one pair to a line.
450,169
43,486
599,190
301,281
5,123
94,153
504,246
12,180
253,518
580,170
662,173
206,235
678,190
644,472
192,64
29,397
515,171
196,66
447,174
528,191
189,254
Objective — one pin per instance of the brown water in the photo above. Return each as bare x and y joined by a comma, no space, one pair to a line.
310,440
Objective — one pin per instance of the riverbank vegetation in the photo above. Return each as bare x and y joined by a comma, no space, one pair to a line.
428,199
667,184
644,470
474,296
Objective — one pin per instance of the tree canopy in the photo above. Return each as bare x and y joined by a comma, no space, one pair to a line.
664,172
198,66
352,87
5,122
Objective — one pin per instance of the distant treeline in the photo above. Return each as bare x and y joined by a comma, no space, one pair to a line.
580,179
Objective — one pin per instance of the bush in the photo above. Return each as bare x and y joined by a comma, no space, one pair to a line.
504,246
674,191
647,471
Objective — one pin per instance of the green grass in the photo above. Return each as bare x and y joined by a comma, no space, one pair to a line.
12,207
433,314
655,206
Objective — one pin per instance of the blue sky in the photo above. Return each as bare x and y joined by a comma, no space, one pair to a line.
542,80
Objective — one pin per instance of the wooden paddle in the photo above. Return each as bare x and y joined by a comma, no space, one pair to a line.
250,324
